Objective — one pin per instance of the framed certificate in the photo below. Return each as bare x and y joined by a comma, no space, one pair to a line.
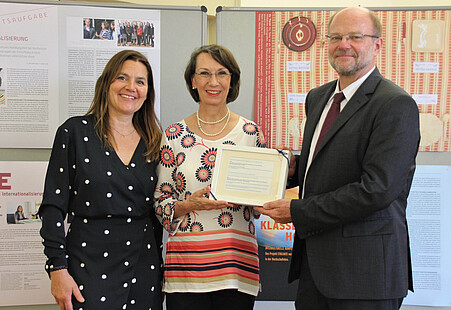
249,175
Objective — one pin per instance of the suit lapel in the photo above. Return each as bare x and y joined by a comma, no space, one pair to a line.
315,109
358,100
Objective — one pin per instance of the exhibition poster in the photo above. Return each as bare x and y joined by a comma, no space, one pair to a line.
23,280
51,57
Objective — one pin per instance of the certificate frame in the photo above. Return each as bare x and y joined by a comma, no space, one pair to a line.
249,175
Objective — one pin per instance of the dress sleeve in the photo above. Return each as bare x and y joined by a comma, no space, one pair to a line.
55,203
260,142
165,193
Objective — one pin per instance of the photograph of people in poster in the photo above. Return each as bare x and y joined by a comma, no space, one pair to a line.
99,29
138,33
126,32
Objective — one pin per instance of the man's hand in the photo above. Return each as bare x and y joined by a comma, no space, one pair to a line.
278,210
292,167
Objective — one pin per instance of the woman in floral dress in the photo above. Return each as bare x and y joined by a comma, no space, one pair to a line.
212,257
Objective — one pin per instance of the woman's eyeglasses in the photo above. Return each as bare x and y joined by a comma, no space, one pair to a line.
220,75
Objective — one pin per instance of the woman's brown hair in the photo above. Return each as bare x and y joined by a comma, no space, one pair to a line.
145,120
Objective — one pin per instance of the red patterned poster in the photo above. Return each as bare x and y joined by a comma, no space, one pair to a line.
291,58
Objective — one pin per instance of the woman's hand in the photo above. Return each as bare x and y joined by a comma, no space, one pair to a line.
63,287
200,202
197,201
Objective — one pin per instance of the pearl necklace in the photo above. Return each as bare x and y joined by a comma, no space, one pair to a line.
214,122
219,132
126,135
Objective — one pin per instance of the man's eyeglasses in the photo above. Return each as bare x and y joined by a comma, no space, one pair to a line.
220,75
352,37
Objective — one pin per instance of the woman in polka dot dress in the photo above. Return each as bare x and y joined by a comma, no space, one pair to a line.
102,174
211,254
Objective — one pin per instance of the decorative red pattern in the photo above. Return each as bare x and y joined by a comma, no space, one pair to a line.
396,60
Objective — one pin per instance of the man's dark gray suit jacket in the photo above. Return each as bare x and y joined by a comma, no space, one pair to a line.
353,214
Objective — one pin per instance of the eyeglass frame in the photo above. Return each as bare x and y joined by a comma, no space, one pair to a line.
348,37
207,74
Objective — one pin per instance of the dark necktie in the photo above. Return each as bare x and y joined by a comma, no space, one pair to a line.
330,118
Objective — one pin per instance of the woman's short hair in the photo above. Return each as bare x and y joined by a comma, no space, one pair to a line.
223,56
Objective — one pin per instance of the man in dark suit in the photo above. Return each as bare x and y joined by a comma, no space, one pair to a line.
351,250
88,30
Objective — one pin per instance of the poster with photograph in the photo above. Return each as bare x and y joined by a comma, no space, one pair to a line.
23,280
51,57
275,244
91,38
28,75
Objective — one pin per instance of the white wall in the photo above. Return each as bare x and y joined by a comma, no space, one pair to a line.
343,3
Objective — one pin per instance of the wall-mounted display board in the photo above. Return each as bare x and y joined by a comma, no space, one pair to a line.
290,52
52,53
283,54
23,280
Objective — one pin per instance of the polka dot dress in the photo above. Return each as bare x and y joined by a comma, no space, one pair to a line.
113,245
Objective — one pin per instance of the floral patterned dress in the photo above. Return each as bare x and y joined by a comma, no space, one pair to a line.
207,250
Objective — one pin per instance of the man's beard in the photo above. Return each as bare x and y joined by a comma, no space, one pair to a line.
348,70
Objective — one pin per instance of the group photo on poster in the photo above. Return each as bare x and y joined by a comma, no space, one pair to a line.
135,33
124,32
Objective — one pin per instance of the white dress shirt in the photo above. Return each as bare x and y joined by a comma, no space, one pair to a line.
348,93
